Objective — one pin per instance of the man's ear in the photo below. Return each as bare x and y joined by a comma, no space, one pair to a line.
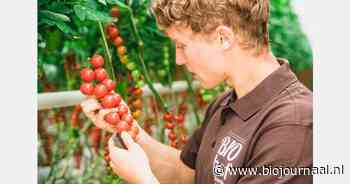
225,37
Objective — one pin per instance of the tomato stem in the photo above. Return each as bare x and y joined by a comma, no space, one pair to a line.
140,49
106,48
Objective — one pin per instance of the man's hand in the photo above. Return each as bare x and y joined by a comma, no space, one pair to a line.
131,164
163,159
94,111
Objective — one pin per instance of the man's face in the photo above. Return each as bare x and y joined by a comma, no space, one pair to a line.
201,54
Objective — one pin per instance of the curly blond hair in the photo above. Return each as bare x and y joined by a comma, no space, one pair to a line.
247,18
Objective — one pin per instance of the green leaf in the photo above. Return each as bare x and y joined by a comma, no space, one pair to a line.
65,28
73,133
80,11
55,16
91,4
60,7
121,5
112,1
46,21
121,88
97,15
84,12
51,72
43,2
102,2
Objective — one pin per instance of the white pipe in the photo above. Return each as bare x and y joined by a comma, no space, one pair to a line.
70,98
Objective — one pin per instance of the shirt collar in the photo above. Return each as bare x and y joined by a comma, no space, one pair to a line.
272,85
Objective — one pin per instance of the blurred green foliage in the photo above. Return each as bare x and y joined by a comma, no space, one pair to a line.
70,28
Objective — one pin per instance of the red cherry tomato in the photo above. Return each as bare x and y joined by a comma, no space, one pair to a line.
112,32
137,103
100,91
121,50
180,118
87,89
174,144
97,61
137,114
100,74
169,125
87,74
122,126
105,139
123,109
117,98
110,84
112,118
183,107
168,116
118,41
137,92
114,12
172,136
107,158
111,100
128,118
184,139
106,151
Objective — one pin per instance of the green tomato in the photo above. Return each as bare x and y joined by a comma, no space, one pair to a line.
207,97
140,84
162,73
131,66
135,74
166,61
124,59
204,91
166,55
142,20
115,182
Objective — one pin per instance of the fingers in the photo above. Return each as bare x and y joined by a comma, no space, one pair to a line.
128,141
90,104
100,121
111,144
115,153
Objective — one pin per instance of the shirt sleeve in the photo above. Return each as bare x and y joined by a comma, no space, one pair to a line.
189,152
280,147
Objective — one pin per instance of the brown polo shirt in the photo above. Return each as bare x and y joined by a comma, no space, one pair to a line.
271,126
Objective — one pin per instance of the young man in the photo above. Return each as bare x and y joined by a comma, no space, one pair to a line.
264,121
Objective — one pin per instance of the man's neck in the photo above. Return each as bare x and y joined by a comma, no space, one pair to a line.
249,72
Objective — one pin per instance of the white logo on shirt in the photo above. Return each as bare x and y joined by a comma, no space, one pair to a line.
228,150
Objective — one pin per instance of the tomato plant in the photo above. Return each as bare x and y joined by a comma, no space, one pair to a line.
112,49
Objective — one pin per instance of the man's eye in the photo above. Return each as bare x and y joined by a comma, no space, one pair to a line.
180,46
